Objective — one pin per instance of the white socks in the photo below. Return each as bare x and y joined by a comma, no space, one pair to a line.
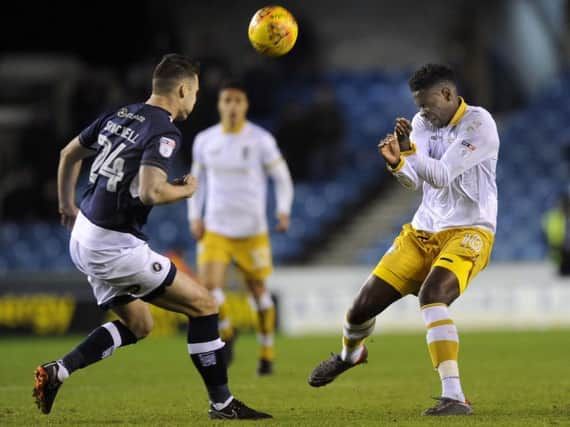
351,355
62,372
220,406
443,344
218,295
352,339
224,322
450,383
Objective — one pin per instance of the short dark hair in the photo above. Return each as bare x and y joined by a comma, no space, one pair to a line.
170,70
233,84
429,75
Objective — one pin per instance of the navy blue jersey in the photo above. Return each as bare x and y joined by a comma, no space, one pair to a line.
135,135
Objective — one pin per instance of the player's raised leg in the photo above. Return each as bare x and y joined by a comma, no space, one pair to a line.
204,345
373,298
263,304
135,323
439,290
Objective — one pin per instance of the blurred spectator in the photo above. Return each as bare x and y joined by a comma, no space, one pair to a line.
556,229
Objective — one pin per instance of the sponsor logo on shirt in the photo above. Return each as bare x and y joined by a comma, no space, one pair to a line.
124,113
469,146
166,146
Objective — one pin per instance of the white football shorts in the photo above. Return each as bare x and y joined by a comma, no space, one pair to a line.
120,275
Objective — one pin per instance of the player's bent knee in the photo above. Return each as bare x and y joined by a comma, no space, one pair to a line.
141,327
257,288
356,315
199,303
205,305
440,287
362,309
437,295
213,285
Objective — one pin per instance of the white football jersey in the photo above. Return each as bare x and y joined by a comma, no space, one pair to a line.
232,171
456,168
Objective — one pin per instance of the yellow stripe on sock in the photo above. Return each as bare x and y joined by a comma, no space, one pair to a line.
267,353
223,311
440,323
227,334
266,321
266,326
348,343
440,351
435,304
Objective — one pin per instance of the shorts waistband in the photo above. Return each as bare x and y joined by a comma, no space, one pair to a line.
94,237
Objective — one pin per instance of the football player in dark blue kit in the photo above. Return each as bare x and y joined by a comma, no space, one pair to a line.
134,147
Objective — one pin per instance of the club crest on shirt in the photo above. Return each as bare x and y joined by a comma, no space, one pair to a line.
476,124
166,146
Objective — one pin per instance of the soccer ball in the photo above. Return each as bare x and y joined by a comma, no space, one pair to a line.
273,31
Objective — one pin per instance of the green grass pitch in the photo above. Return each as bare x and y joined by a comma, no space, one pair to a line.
513,379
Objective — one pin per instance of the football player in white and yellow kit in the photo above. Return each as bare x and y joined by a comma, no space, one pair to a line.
232,161
450,151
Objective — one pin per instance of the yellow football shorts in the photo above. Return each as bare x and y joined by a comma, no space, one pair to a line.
252,254
464,251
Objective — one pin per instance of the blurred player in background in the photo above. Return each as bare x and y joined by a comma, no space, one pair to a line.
450,150
134,147
231,162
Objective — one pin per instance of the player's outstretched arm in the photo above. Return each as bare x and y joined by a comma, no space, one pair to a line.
70,159
154,188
